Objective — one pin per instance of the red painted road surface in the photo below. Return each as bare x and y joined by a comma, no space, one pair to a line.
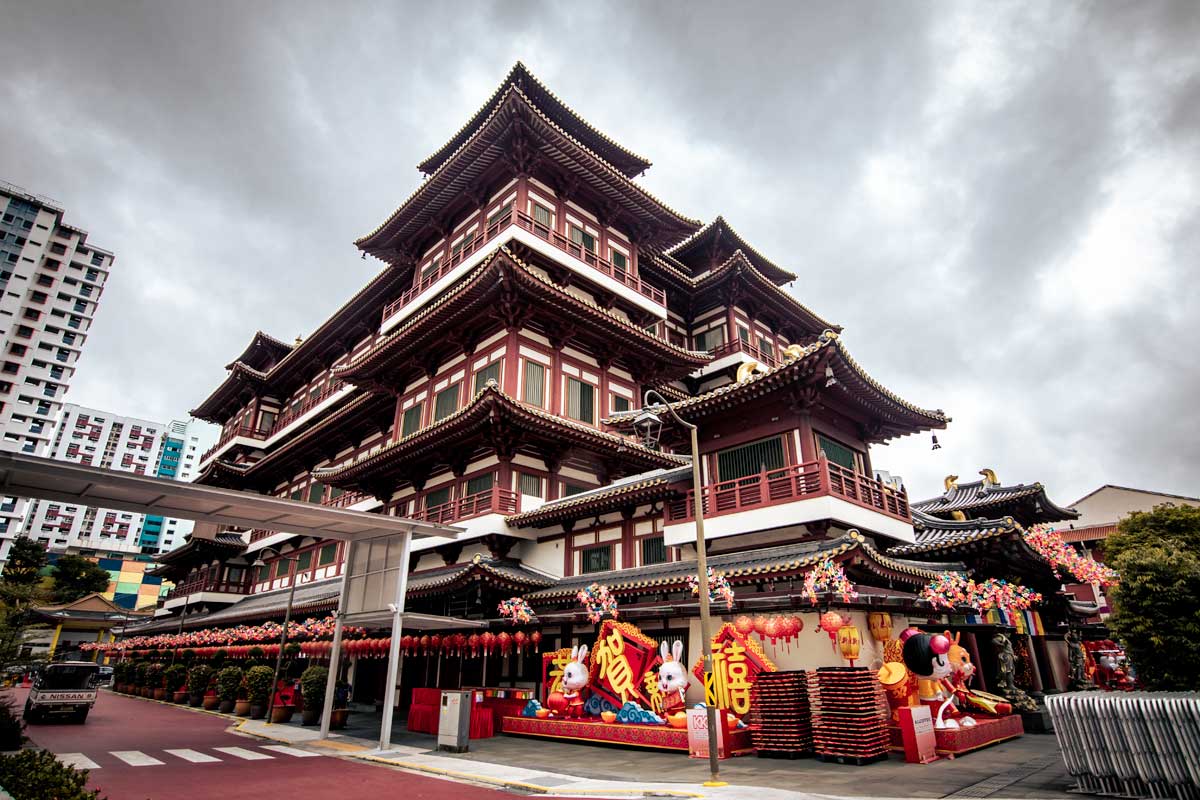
143,732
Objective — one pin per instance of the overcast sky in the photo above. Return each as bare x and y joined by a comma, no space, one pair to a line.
998,201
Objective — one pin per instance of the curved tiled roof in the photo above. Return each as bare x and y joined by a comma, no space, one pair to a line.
718,229
979,497
511,575
636,489
504,264
738,265
933,534
629,163
744,566
415,213
467,422
902,417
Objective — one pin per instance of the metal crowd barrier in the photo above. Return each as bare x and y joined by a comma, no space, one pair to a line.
1131,744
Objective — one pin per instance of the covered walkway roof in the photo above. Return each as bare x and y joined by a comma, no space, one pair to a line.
46,479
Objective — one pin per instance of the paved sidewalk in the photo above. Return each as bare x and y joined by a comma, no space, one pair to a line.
1029,767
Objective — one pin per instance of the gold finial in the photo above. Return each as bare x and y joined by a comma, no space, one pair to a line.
950,482
989,477
299,339
958,516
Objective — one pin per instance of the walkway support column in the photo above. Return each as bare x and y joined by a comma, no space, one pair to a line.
389,692
335,652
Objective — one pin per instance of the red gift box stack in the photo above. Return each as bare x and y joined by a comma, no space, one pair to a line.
781,720
850,720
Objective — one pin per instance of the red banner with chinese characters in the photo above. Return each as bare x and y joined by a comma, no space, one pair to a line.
621,658
737,661
552,670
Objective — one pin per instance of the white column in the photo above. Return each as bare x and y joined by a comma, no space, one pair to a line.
389,692
335,654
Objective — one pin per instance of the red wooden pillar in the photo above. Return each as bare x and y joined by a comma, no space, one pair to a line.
512,363
556,375
808,443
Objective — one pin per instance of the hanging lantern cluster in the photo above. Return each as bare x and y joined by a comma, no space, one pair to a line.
776,628
472,646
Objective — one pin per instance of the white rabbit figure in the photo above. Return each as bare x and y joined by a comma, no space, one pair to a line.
575,680
672,678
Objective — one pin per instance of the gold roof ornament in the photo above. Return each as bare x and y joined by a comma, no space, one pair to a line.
989,477
746,370
958,516
299,340
950,482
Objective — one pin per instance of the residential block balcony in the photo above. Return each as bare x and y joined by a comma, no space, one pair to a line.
545,233
791,496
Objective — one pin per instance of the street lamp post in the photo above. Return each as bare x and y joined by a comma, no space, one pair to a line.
287,618
650,424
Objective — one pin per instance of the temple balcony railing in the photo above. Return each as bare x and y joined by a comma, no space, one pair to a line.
524,227
753,352
493,501
792,495
209,589
345,499
244,431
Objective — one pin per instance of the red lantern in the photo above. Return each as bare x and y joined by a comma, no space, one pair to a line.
406,643
488,640
504,640
773,629
536,639
426,642
760,625
744,625
473,643
831,623
435,642
519,639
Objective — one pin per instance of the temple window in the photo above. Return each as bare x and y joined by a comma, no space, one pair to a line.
620,403
446,402
304,562
654,550
764,345
744,334
264,573
710,339
463,243
316,491
569,489
529,485
281,568
837,452
596,559
543,216
490,372
410,423
501,213
437,497
266,421
618,259
581,237
750,459
581,401
327,555
480,484
534,389
431,269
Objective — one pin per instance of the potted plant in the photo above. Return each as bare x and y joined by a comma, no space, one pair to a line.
258,689
242,706
140,678
174,677
312,688
197,683
285,702
211,700
254,657
229,680
341,705
155,676
121,676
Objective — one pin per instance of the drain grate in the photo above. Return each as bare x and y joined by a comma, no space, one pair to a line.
990,786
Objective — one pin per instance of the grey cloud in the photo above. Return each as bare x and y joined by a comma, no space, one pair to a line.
231,152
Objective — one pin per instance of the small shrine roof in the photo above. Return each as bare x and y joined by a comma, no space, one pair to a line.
1025,502
262,352
741,268
628,163
717,237
897,417
505,574
637,489
482,149
933,534
490,407
742,566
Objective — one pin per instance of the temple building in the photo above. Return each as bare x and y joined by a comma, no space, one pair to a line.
532,293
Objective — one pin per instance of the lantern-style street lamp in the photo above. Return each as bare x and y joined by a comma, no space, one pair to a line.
648,423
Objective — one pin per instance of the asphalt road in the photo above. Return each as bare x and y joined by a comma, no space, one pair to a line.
139,750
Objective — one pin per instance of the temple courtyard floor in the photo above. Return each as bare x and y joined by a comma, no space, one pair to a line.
139,748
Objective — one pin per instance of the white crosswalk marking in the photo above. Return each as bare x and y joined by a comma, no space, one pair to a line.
290,751
136,758
242,752
77,760
195,756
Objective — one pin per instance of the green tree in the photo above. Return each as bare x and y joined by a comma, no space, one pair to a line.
25,562
75,577
1156,604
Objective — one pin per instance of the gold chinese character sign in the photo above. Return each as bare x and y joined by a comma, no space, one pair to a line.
620,660
737,662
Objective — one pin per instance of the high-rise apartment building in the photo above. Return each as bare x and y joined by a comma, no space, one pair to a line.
102,439
51,279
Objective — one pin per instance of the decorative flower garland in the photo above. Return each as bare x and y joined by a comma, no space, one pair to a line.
597,600
210,637
1050,545
828,576
516,610
718,586
952,589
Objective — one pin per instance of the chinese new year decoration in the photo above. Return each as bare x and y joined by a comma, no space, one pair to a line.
1050,545
516,610
828,576
622,656
553,664
672,679
952,589
880,623
831,622
574,680
737,662
718,587
598,601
